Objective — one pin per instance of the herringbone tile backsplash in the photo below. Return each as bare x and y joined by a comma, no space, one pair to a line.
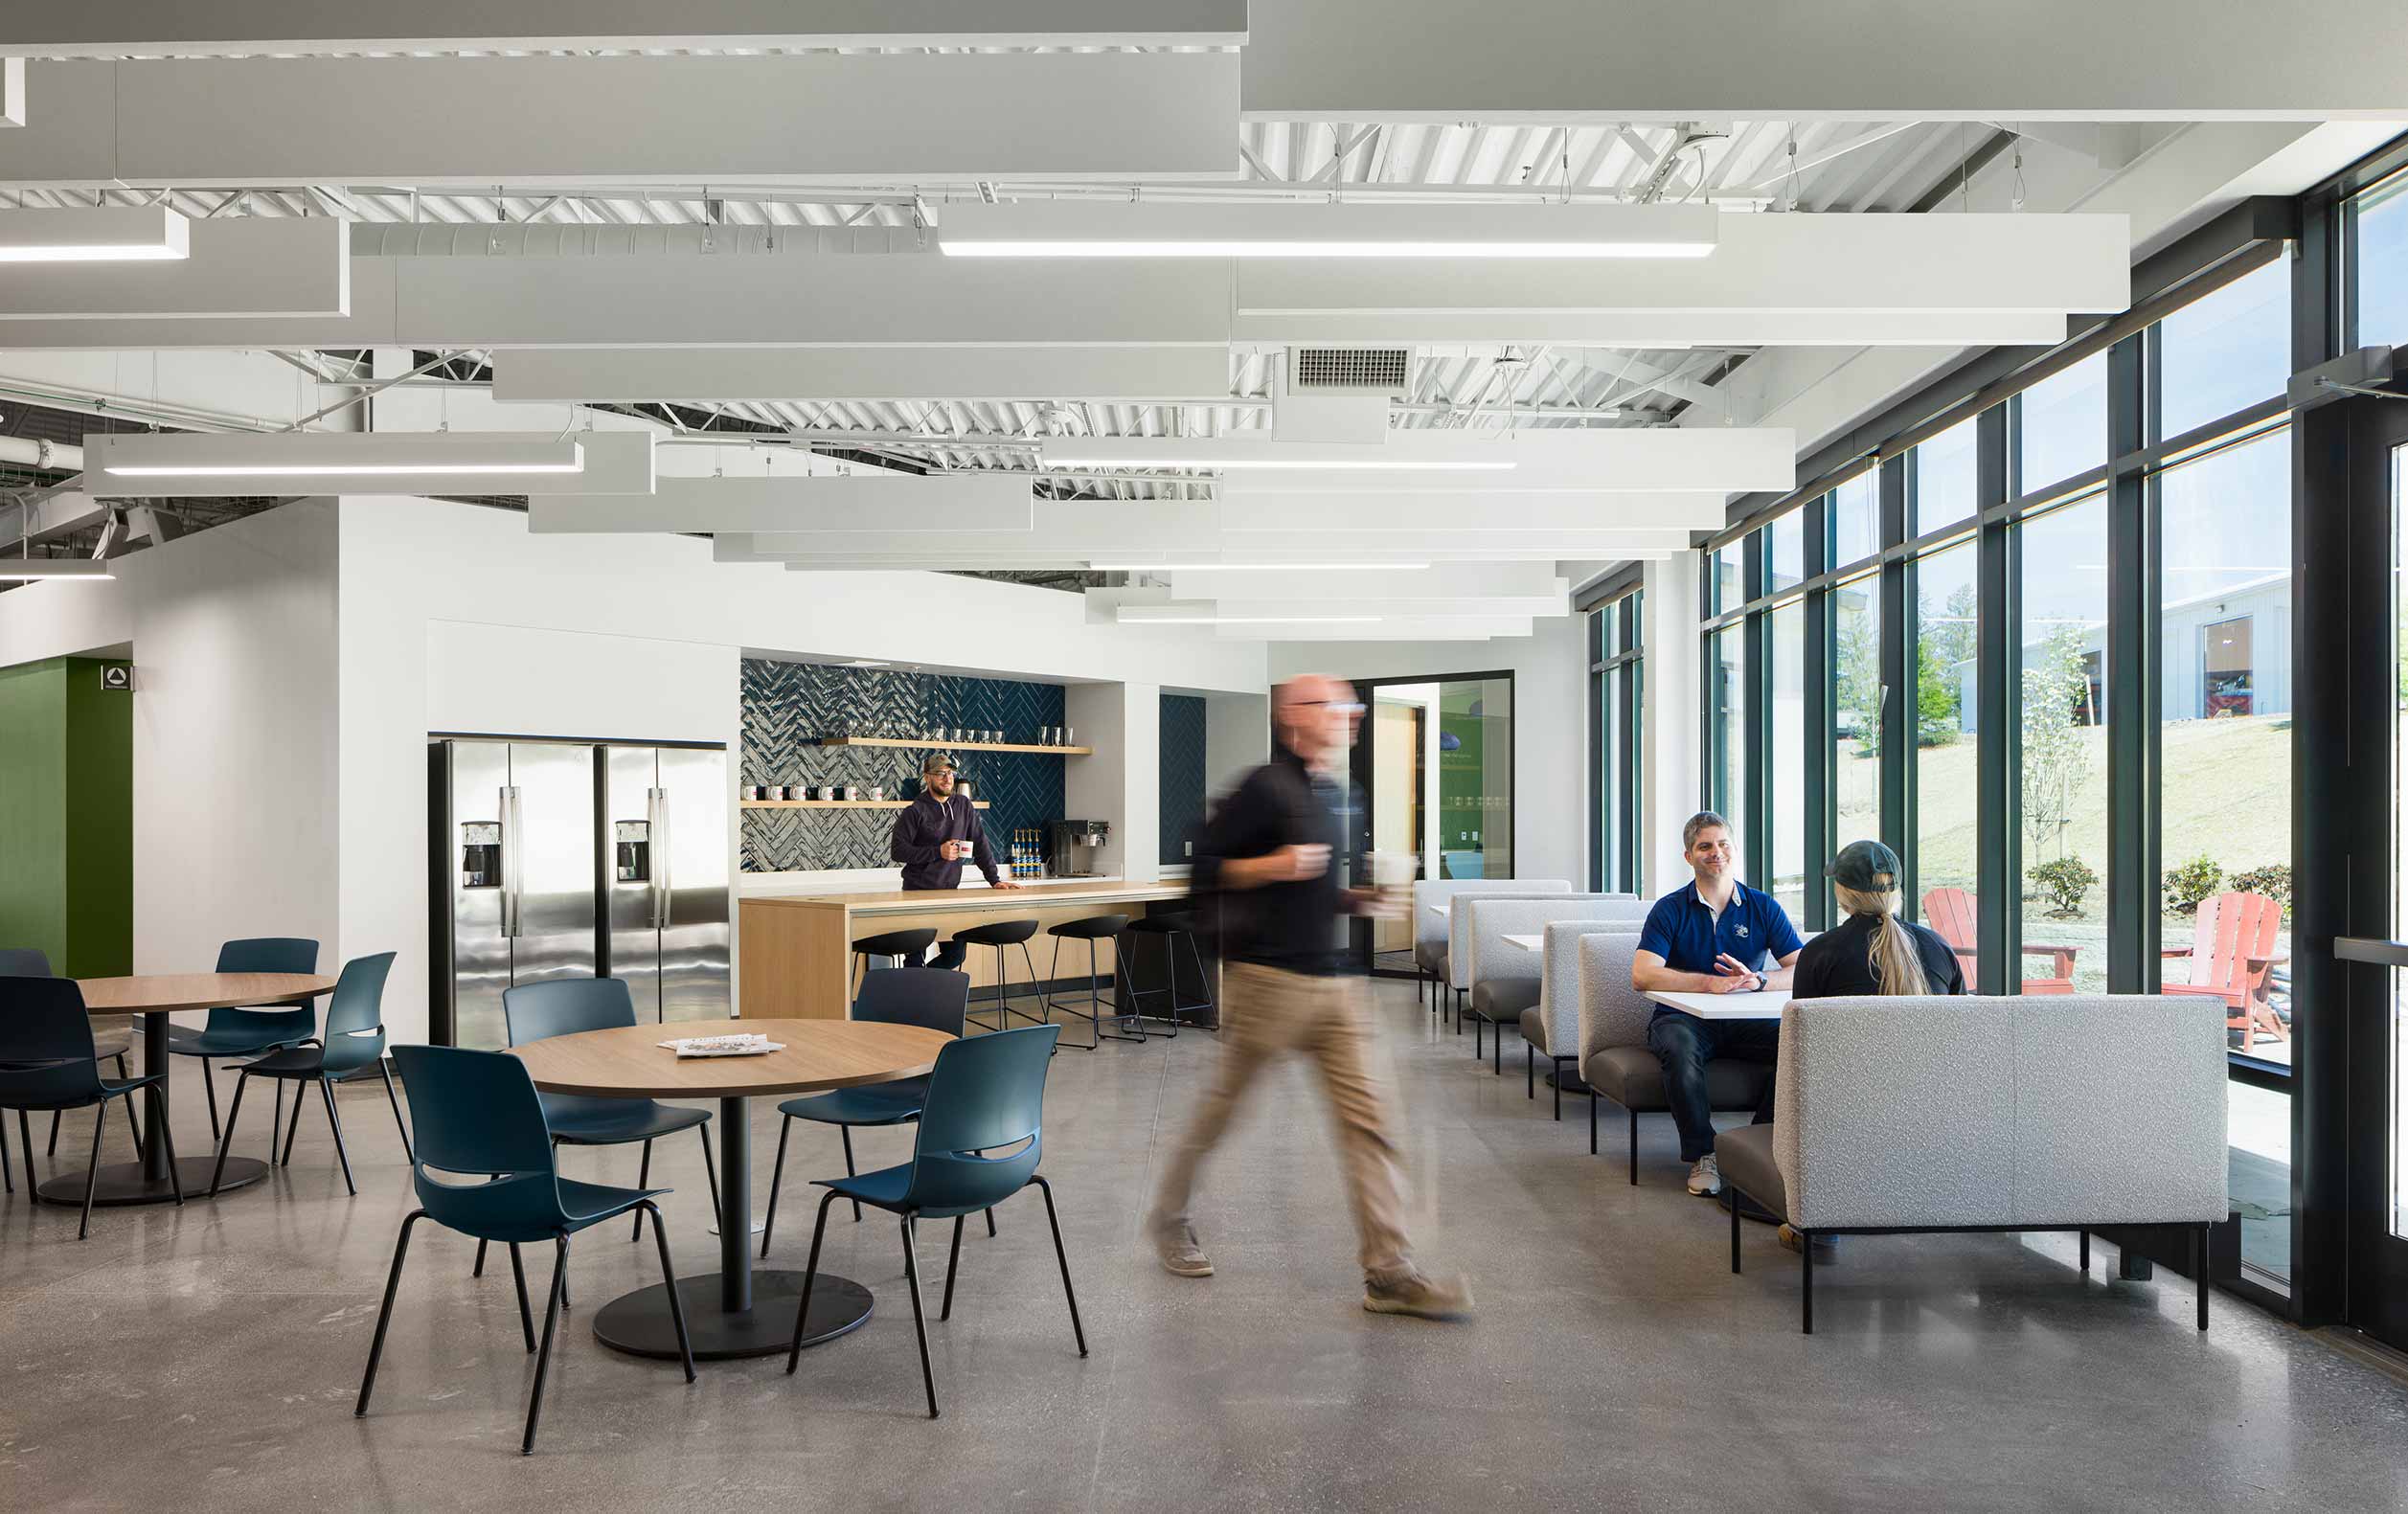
788,704
1182,774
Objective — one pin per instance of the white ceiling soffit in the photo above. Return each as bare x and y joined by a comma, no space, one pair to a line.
1387,628
1433,607
618,460
11,92
1908,264
894,118
183,29
1734,460
1283,511
94,233
1434,61
1173,229
1658,328
250,269
948,502
1118,375
1336,585
770,300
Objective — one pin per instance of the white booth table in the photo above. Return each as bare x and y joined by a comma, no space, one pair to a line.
1764,1006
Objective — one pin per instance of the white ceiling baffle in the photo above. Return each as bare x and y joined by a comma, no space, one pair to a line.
827,503
202,464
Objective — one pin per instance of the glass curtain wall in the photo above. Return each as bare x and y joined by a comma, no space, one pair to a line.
1858,697
1783,876
1616,697
2061,766
1947,661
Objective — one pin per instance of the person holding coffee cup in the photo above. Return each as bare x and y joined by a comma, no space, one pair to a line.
934,835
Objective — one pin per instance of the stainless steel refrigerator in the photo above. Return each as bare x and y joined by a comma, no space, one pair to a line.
560,859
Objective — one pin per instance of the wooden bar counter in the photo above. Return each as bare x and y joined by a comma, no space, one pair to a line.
796,955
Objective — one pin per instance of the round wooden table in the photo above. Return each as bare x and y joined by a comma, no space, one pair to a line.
737,1311
154,997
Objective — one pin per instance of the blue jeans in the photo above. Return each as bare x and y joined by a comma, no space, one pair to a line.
1684,1044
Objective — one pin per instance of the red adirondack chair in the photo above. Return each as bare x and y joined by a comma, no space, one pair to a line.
2230,958
1950,912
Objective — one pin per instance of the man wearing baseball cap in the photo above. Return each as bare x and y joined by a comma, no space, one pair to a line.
932,837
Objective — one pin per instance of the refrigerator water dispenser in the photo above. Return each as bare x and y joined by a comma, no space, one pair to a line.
481,855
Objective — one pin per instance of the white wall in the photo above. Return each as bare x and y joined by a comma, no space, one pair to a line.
1551,763
236,791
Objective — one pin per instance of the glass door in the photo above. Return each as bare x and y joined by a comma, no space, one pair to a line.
2375,958
1435,765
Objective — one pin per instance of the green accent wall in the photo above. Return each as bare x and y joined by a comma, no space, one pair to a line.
67,816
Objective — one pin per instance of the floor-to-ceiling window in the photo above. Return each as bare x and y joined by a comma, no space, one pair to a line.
1946,666
1784,874
1858,697
1617,697
2061,764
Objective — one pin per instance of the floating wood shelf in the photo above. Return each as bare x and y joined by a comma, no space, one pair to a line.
836,803
947,746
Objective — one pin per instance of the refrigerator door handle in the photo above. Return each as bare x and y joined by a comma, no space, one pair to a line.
659,800
512,879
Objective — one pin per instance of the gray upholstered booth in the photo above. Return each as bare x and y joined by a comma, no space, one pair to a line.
1616,1061
2038,1113
1430,927
1503,980
1551,1026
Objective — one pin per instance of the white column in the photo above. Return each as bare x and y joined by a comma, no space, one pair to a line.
1119,784
1671,771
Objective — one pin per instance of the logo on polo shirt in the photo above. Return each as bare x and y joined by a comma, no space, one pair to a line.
1739,929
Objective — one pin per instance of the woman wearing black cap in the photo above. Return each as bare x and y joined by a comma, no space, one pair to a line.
1875,953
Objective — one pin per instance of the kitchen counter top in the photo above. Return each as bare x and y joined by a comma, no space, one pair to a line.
1049,891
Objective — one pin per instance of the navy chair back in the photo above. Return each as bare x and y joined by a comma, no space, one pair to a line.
476,1114
46,1056
24,962
538,1011
354,1017
269,954
932,998
987,1093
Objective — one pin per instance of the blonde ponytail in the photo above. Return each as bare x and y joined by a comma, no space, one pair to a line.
1898,968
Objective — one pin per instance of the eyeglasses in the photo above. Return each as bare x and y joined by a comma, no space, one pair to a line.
1338,707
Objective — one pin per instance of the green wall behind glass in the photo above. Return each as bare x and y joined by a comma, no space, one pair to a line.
66,816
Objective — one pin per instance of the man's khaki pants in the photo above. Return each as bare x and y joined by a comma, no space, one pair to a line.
1266,1012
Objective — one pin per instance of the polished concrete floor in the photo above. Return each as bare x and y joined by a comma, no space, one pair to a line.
208,1358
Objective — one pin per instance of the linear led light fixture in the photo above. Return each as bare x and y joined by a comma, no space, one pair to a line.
42,568
94,233
337,454
1257,567
1165,229
1254,620
1417,455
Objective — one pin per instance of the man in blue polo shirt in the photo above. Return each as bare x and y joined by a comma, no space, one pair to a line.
1712,935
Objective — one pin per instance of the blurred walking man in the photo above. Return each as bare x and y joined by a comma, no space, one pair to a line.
1265,859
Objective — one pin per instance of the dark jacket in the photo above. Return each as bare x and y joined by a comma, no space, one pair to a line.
918,829
1292,926
1838,963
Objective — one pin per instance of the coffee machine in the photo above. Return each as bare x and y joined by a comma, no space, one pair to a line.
1071,847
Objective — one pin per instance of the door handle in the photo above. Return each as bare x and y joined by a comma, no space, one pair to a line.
511,881
660,858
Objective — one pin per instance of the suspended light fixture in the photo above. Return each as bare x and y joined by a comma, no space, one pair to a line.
94,233
34,570
332,453
1257,567
1175,229
1404,453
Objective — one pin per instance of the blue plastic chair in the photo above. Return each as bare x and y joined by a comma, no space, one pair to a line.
47,1061
354,1045
986,1094
478,1115
251,1032
540,1011
32,962
934,998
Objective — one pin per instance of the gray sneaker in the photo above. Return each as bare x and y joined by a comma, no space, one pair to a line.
1175,1243
1420,1295
1705,1179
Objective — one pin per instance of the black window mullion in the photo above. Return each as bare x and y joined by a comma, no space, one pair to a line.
1898,665
2131,664
1819,792
1998,616
1756,638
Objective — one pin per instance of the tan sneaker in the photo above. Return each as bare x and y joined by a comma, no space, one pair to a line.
1420,1295
1175,1243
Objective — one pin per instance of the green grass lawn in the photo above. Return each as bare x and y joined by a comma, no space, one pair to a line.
2225,793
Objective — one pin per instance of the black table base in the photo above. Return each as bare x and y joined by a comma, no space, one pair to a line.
639,1322
132,1183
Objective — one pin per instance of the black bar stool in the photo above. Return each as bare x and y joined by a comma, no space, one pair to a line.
1000,934
1091,930
906,947
1172,928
